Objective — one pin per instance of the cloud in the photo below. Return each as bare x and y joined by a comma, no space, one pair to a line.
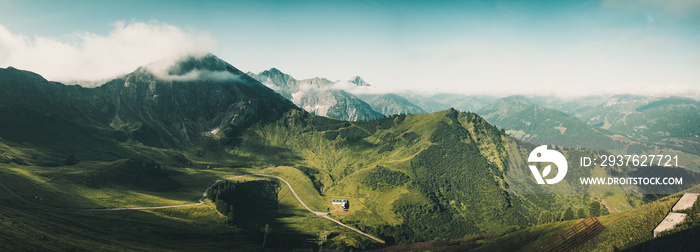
355,89
573,91
199,75
91,57
161,69
345,86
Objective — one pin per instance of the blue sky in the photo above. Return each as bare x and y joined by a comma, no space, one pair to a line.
485,47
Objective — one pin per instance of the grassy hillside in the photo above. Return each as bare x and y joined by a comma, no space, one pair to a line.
395,171
630,230
527,121
196,228
292,225
142,141
408,178
391,104
647,117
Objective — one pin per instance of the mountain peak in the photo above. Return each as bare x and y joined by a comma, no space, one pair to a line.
517,99
273,71
316,81
191,67
359,81
207,62
393,104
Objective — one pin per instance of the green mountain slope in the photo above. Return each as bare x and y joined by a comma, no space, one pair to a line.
319,96
441,101
629,231
573,106
527,121
152,139
194,96
647,117
392,104
409,177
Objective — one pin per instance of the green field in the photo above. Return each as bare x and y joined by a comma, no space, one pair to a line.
409,178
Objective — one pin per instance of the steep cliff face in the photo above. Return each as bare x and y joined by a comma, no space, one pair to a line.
315,82
167,104
318,96
334,103
278,81
359,81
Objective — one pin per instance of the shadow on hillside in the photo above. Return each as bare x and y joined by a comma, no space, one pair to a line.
59,139
269,154
686,240
281,236
121,230
253,206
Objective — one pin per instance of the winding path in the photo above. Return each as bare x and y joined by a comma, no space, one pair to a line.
323,214
200,202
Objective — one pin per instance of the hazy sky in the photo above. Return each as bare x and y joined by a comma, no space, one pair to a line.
484,47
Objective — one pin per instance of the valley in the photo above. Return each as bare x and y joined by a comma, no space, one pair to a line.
142,148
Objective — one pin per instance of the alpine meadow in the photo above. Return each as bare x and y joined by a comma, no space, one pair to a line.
244,126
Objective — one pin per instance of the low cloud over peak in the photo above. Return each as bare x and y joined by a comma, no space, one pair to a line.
193,66
89,57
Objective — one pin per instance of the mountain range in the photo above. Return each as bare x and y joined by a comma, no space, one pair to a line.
160,107
318,96
391,104
649,117
525,120
163,133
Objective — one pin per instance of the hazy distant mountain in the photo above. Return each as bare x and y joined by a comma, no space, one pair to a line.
439,102
423,177
574,106
315,82
391,104
644,116
359,81
525,120
278,81
317,95
287,85
335,103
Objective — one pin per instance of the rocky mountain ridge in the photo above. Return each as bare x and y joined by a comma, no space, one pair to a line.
318,96
168,106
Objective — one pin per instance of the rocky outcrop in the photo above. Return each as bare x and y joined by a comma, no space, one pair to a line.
319,96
